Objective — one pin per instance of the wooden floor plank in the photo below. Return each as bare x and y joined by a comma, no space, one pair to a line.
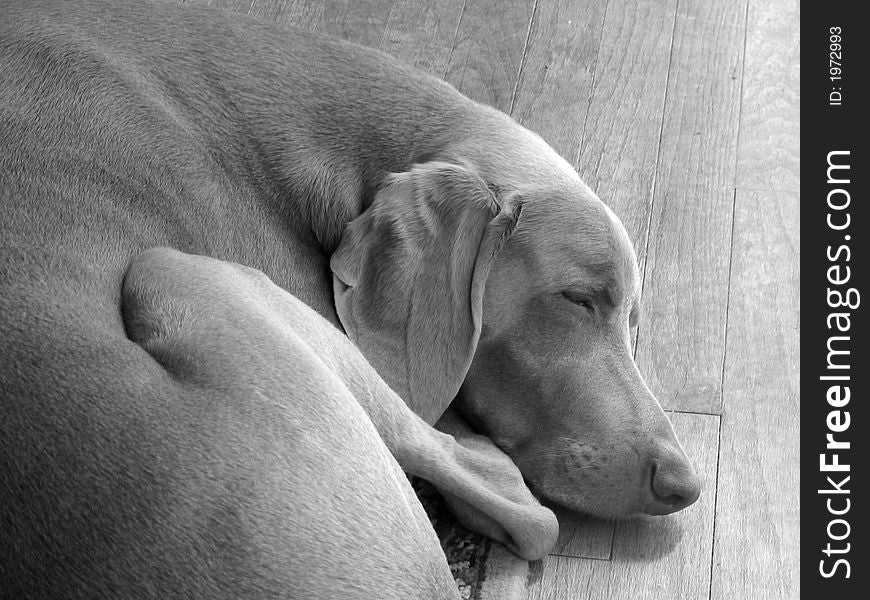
567,578
490,42
621,140
423,33
555,84
583,537
239,6
360,21
653,557
300,13
681,341
758,512
769,149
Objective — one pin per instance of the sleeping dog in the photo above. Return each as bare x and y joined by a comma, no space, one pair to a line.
468,263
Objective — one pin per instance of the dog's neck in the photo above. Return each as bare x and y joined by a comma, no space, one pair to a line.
326,138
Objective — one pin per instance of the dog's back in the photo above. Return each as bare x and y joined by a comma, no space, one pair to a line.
127,125
198,116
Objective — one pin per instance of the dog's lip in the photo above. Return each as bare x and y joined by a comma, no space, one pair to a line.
659,507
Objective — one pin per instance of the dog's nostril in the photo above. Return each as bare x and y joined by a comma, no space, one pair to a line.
670,500
663,488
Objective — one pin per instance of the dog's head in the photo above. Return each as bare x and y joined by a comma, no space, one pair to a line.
519,304
553,381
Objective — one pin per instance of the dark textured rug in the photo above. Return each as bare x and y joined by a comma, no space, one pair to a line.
467,552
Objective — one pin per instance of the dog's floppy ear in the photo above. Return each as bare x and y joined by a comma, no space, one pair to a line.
409,277
486,492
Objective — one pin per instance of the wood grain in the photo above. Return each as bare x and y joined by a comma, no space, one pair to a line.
239,6
301,13
620,145
583,537
567,578
758,512
423,33
489,48
360,21
234,5
555,84
681,342
653,557
768,156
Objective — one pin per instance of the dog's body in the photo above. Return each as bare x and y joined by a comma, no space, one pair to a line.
125,126
217,328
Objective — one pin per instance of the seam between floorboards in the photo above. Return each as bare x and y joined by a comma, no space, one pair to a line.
599,559
722,386
382,43
715,509
319,16
728,302
692,412
383,39
579,153
737,177
523,57
795,191
453,43
655,178
728,294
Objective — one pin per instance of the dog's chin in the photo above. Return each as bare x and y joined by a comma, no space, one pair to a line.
585,477
609,504
602,511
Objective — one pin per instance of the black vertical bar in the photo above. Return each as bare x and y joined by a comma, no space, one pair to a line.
835,224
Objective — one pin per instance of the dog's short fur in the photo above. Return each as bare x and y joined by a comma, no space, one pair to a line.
282,389
130,125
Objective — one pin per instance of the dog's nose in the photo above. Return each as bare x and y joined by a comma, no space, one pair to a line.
675,485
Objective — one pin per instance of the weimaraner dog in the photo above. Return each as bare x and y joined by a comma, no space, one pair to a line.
181,426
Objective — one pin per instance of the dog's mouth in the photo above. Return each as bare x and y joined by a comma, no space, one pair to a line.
583,487
596,480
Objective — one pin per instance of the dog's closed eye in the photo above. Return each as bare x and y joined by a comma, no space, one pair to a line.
578,298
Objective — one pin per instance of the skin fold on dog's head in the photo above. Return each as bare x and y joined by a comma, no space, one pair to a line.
530,333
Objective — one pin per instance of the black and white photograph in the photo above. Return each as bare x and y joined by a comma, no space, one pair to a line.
409,299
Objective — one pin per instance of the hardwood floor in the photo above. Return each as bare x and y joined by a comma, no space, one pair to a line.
684,116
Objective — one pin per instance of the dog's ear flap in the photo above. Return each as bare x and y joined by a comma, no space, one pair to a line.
485,490
409,277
